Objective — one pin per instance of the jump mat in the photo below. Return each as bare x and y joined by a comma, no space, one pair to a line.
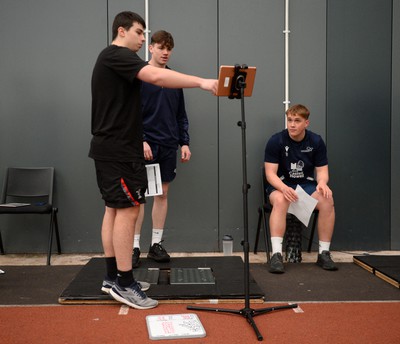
384,267
226,284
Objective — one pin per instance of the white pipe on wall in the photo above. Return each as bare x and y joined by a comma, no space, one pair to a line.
147,31
286,32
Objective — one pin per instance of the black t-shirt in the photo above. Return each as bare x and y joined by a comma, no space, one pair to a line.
116,107
297,160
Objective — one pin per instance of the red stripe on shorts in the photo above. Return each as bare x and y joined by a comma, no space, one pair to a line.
128,193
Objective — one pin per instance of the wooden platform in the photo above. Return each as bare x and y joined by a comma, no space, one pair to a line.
384,267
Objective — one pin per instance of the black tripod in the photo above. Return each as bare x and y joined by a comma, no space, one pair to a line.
237,91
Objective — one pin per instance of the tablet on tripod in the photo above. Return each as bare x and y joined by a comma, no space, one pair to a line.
228,77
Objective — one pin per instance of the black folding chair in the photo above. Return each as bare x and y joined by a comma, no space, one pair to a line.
29,190
264,211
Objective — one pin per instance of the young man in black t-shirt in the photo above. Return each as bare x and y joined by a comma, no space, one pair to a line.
117,147
297,156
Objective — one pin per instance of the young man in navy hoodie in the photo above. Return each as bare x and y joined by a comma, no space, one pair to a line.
165,128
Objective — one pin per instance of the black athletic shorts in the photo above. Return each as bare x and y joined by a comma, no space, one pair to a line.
310,187
166,157
121,184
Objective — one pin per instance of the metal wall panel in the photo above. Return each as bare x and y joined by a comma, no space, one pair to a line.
262,45
192,220
45,113
359,101
395,144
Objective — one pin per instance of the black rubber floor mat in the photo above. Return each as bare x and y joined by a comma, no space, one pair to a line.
227,271
35,285
304,282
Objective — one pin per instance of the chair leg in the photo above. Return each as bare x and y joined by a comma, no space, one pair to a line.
50,244
56,231
314,223
262,221
1,245
53,228
258,229
266,236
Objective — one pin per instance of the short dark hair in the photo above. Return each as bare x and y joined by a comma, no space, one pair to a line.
164,38
299,110
126,20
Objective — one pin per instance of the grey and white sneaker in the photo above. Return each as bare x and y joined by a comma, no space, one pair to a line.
108,284
132,296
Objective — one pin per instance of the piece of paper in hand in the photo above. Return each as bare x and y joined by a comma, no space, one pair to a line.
154,187
304,206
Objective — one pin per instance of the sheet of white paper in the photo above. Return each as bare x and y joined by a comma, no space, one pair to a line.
304,206
154,187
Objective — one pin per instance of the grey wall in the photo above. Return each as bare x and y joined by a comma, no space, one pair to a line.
395,129
359,115
45,112
49,48
263,110
192,222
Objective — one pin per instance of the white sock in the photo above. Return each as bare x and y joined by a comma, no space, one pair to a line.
136,241
156,236
276,244
324,246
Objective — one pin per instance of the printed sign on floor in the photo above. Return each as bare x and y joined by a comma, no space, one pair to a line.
174,326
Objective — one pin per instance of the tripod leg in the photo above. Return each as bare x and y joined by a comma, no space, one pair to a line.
271,309
248,314
218,310
245,312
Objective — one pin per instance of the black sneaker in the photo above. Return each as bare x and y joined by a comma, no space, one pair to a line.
135,258
325,261
276,264
158,253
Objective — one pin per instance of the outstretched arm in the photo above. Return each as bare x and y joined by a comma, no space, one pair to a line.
171,79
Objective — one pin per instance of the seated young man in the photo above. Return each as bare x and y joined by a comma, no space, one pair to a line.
297,156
